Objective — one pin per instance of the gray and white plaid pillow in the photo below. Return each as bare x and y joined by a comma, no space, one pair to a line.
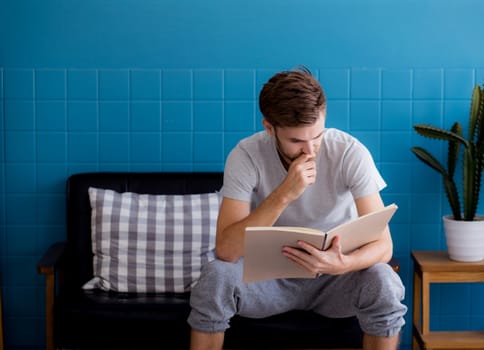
150,243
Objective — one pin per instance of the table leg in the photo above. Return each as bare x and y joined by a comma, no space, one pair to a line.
417,308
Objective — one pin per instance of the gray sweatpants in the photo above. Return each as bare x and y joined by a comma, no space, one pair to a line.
373,295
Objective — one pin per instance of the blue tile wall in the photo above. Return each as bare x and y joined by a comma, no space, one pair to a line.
61,121
145,85
50,84
113,85
175,90
3,244
82,84
208,84
239,84
208,116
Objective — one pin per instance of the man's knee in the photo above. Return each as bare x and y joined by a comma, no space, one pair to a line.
381,310
221,269
217,279
382,281
212,298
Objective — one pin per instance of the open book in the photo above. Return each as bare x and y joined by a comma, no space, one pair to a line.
263,258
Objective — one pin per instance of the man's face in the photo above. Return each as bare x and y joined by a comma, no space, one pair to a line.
294,141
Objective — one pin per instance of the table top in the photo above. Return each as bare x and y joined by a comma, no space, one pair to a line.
439,261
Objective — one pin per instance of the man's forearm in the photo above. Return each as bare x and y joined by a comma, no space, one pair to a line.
230,241
372,253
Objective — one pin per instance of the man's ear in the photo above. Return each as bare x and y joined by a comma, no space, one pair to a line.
268,126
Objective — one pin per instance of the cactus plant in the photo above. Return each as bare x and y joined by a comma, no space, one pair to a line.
472,158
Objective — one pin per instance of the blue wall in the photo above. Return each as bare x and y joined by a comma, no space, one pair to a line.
172,85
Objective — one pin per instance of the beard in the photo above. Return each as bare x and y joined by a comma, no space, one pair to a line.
288,158
285,157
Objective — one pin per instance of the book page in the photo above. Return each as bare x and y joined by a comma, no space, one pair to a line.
263,257
362,230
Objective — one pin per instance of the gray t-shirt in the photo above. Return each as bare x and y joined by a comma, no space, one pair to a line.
345,171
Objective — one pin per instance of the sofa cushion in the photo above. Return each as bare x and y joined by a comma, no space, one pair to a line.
148,243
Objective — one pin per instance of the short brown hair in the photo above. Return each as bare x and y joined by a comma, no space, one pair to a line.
292,98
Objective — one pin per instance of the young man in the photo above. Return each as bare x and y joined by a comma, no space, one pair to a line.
297,173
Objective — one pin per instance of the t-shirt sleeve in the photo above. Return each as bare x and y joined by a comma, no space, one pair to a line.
240,175
360,172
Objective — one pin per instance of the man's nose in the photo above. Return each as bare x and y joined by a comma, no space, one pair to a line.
309,148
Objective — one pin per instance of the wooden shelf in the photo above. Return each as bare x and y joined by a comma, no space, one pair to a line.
455,340
436,267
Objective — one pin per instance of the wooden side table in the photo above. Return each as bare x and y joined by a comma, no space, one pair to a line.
436,267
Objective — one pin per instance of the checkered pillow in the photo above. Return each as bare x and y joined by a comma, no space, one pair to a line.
150,243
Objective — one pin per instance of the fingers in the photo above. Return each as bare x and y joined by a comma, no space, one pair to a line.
308,248
301,174
304,161
336,245
313,259
300,256
304,168
305,255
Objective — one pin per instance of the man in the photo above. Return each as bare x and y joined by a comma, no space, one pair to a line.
297,173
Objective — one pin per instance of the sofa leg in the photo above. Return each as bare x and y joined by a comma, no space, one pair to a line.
49,312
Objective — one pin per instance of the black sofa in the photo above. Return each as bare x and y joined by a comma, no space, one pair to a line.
95,319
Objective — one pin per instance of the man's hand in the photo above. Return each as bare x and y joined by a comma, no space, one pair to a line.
301,174
331,261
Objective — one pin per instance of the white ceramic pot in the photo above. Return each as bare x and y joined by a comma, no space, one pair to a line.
465,239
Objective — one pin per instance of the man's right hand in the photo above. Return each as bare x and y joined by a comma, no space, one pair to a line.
301,174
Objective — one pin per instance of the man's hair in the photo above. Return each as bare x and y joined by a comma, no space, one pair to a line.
292,98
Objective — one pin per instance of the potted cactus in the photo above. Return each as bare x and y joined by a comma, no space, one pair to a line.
464,218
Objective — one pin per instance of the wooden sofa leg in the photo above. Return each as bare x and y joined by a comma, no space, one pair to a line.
49,311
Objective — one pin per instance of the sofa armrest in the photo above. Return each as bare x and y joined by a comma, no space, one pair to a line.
51,259
48,266
395,264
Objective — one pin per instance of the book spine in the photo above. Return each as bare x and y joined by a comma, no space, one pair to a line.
323,247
